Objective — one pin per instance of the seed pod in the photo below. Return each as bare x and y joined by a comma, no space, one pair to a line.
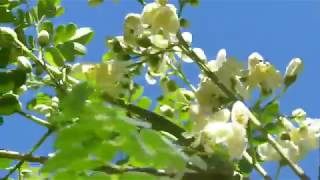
43,38
24,64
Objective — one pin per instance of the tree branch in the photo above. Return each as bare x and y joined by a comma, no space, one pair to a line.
34,148
112,169
25,157
158,122
188,51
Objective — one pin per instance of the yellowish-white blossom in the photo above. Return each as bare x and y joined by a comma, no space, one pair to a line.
240,113
133,27
161,17
299,114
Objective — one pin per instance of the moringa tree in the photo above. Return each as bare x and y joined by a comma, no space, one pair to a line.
98,112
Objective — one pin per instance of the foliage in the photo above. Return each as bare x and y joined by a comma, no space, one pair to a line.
104,125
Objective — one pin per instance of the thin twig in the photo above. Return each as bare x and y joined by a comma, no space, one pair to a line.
34,148
257,166
36,119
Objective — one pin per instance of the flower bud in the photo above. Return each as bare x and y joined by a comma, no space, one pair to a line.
299,114
167,110
43,38
24,64
162,2
7,36
294,68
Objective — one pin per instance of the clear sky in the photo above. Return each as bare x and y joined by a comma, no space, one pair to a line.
278,29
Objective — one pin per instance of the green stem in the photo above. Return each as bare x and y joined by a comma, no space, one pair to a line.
36,119
34,148
183,77
257,166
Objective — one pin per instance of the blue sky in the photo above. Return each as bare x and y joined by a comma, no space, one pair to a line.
279,30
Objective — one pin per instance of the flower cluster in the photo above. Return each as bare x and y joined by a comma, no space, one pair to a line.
216,129
300,136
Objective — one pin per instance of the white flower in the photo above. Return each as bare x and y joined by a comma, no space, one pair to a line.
208,94
221,58
307,136
263,74
240,113
237,143
200,53
187,36
268,153
201,116
254,59
216,133
299,114
110,75
161,17
132,28
230,135
294,68
159,41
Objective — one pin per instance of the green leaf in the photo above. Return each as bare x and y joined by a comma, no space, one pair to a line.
1,120
71,49
5,163
270,112
144,102
48,26
138,91
7,83
83,35
9,104
245,167
163,153
6,15
40,99
4,57
64,33
54,56
49,8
